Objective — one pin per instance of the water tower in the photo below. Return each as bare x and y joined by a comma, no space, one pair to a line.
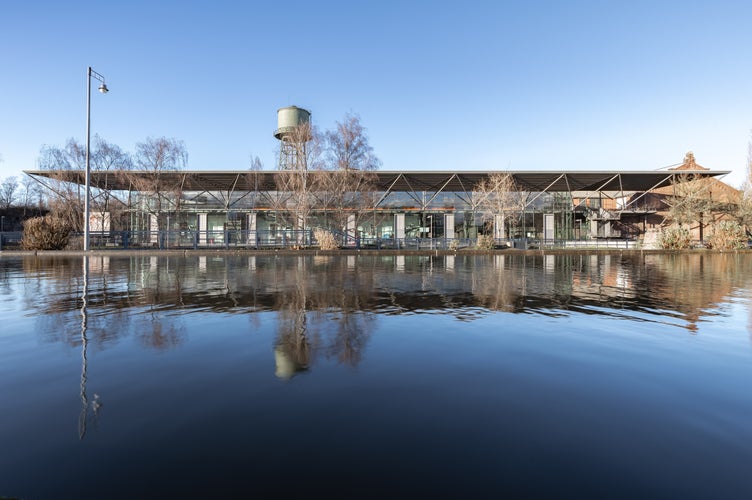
294,132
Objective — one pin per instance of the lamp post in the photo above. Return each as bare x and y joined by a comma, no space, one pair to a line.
103,89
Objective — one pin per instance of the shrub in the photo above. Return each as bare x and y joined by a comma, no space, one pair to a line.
485,242
327,240
674,238
454,244
728,235
46,233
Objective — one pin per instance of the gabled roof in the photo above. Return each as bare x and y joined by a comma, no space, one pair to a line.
716,189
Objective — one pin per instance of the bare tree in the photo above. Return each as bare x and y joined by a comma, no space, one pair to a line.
348,148
744,211
161,154
499,198
153,160
30,195
293,200
8,192
254,178
64,198
108,159
690,202
347,184
256,164
346,196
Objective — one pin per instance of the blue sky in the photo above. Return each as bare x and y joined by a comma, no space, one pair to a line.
439,85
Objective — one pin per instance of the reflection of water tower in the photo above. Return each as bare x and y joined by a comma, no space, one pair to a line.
293,131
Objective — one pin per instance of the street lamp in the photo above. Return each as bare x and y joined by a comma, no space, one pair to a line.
103,89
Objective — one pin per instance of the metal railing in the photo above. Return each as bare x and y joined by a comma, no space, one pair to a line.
10,239
186,239
290,239
299,239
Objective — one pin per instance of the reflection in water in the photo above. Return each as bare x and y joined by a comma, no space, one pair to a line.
326,304
319,316
84,342
506,360
96,403
292,354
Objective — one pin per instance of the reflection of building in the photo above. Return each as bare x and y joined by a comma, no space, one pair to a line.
209,208
324,305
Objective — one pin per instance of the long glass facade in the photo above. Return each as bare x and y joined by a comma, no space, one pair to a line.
267,208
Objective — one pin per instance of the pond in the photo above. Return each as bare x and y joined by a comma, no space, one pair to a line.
370,376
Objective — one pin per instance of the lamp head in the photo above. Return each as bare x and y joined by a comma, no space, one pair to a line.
103,88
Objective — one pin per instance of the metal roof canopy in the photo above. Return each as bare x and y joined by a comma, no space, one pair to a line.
411,181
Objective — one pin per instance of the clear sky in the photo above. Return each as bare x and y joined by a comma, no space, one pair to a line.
439,85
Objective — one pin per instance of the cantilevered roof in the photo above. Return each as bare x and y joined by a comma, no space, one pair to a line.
415,181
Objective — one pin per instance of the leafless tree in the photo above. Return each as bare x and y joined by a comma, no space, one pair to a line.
346,184
254,178
30,195
348,148
744,212
346,196
8,192
161,155
691,202
65,198
293,200
108,159
499,195
153,160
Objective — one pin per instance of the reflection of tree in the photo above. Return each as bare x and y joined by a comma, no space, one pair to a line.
348,299
351,336
161,334
292,353
694,283
347,295
501,289
52,288
321,303
164,285
327,304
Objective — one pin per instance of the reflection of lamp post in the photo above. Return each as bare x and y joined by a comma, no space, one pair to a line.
83,416
103,89
84,343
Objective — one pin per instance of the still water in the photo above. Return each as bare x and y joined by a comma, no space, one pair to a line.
604,376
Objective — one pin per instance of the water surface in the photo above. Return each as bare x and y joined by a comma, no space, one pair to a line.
619,376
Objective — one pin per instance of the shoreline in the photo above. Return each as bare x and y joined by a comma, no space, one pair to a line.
349,252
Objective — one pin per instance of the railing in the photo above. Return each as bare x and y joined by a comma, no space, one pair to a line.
598,243
229,239
180,239
291,239
10,239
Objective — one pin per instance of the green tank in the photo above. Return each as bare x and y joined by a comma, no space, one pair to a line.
290,117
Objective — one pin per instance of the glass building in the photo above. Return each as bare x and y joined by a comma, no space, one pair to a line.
382,208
